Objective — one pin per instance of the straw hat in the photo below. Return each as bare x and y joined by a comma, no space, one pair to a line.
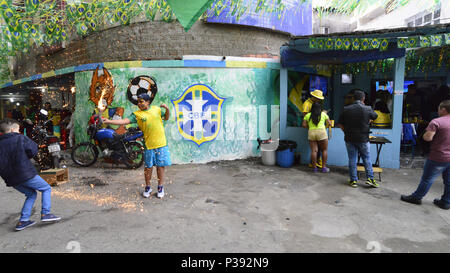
317,94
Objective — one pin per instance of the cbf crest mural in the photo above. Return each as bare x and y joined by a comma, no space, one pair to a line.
198,113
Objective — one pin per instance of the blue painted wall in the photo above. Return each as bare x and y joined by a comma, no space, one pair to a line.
295,19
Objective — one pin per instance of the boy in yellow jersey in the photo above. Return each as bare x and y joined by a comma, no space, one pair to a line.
156,153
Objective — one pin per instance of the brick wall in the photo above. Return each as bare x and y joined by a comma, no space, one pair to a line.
155,41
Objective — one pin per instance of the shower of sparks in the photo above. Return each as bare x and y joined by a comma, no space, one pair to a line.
101,199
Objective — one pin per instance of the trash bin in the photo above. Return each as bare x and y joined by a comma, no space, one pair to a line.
286,153
268,151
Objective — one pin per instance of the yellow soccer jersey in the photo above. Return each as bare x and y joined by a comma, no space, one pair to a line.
151,124
307,106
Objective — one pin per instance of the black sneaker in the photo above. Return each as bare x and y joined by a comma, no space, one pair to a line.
441,204
411,199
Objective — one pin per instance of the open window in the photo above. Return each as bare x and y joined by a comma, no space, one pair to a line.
300,85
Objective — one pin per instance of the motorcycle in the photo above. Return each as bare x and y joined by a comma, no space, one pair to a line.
110,145
49,155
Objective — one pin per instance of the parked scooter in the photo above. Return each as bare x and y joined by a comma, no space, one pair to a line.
114,147
49,155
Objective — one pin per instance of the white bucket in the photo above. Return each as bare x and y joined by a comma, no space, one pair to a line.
268,153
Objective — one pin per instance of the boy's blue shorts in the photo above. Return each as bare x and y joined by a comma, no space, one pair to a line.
159,157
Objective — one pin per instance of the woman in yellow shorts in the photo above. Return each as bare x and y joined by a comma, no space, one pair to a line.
316,121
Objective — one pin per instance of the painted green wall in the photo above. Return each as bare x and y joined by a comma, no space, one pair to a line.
252,104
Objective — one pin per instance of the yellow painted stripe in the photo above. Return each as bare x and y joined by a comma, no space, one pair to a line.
17,81
248,64
111,65
48,74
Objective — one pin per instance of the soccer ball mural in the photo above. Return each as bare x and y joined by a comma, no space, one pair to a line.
139,85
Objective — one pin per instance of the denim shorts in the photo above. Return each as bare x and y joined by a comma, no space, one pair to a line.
159,157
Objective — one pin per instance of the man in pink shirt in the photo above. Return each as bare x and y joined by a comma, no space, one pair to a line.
438,132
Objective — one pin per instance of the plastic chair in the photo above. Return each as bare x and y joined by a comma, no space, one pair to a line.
409,137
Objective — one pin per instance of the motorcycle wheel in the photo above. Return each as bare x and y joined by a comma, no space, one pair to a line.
84,154
135,155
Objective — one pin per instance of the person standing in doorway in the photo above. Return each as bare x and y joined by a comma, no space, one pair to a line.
438,162
316,97
355,121
316,121
156,152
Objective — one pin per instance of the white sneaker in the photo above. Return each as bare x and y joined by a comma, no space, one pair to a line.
160,194
146,192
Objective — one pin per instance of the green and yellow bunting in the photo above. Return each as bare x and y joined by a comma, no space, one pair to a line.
43,21
321,43
356,44
374,43
7,33
413,42
402,42
81,10
4,4
329,43
31,6
82,29
63,35
339,44
71,11
384,44
424,41
365,44
312,43
347,44
436,40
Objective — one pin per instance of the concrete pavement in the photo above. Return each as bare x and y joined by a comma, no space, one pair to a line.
230,206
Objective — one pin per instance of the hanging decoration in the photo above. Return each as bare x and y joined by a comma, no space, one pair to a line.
374,43
347,44
44,21
358,7
329,44
422,60
436,40
402,42
355,44
412,42
424,41
339,44
365,44
382,44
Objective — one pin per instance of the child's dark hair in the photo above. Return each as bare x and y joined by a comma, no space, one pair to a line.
382,107
7,123
316,113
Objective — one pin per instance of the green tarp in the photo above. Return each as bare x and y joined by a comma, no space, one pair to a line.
187,12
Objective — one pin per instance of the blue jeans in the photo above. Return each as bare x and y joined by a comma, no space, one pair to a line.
29,188
363,149
431,170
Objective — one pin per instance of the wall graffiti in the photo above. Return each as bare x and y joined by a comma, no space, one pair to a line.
198,113
101,93
247,99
